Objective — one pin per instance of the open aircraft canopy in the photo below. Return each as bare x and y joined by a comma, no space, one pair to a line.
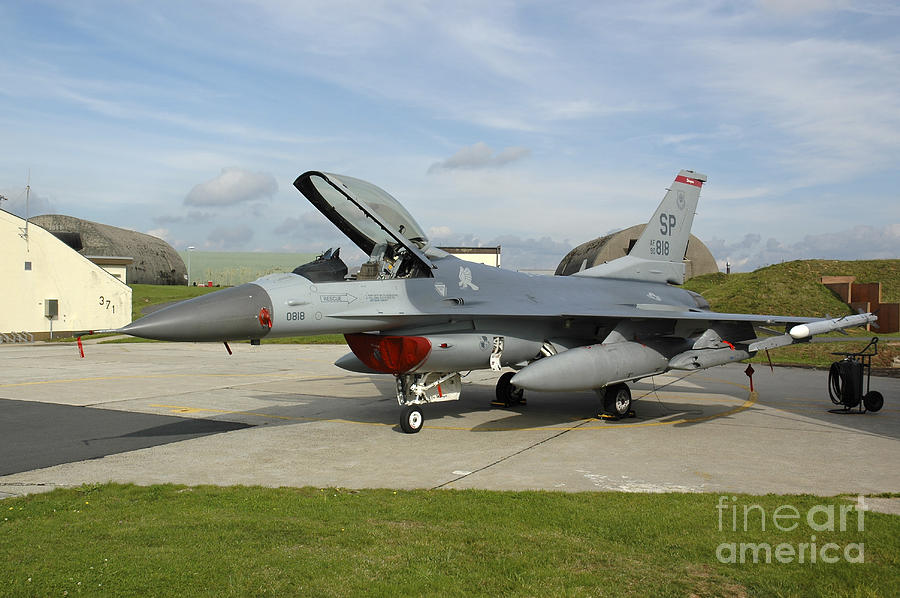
368,215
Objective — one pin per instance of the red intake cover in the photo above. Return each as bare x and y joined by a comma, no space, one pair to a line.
389,354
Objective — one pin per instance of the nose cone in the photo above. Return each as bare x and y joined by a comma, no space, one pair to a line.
230,314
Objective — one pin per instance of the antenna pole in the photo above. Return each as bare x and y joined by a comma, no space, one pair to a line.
27,195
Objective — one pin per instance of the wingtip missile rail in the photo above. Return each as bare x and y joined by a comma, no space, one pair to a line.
804,331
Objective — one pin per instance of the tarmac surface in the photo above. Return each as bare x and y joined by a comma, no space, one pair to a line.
283,415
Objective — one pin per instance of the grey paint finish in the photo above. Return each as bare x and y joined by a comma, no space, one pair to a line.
228,314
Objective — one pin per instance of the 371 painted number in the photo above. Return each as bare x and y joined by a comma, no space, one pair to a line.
108,303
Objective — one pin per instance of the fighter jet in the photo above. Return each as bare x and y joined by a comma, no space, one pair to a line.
415,312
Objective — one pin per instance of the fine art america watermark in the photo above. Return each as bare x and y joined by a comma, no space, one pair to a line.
753,518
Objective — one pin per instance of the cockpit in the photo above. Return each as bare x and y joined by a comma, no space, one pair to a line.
375,221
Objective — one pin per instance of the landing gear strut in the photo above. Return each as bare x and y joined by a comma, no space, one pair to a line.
415,390
616,401
508,395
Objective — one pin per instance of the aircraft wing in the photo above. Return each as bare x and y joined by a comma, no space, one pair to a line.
622,312
801,327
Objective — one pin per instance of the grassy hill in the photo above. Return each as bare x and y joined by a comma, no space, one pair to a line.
793,288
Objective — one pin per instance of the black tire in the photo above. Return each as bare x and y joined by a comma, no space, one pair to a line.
411,419
617,401
506,392
873,401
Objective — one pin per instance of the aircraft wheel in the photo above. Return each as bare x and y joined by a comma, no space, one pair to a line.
411,419
617,401
507,394
873,401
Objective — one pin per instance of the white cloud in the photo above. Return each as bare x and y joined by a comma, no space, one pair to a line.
310,228
480,156
834,103
801,7
15,201
857,243
162,233
167,219
229,238
439,232
232,186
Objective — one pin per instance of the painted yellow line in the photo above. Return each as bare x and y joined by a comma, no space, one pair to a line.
181,409
687,394
824,409
751,400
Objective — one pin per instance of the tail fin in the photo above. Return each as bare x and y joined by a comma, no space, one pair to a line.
666,236
658,255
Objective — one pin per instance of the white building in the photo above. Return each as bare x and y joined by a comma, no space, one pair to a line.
46,286
115,265
489,256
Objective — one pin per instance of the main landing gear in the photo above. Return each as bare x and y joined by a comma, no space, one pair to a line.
616,401
508,395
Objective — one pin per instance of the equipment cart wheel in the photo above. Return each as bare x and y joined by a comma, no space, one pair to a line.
617,401
411,419
873,401
508,394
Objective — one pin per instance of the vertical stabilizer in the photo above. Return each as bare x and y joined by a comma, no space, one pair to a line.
667,233
658,255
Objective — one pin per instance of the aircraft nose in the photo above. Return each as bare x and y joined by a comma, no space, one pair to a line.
239,313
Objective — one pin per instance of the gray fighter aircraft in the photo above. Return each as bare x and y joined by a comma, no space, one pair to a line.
424,316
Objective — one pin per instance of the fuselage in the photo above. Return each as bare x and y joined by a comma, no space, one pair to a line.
460,297
459,292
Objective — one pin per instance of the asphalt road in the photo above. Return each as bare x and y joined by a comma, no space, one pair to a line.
283,415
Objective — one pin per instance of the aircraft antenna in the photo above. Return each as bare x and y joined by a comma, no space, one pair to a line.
24,233
27,196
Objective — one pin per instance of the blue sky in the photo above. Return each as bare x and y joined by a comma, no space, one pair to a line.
534,125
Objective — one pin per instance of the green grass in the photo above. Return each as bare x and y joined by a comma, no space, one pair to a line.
318,339
148,295
168,540
234,268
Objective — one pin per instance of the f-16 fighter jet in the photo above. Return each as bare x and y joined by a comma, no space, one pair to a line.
424,316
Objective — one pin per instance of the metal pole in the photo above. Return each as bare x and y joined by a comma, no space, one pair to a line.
189,250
